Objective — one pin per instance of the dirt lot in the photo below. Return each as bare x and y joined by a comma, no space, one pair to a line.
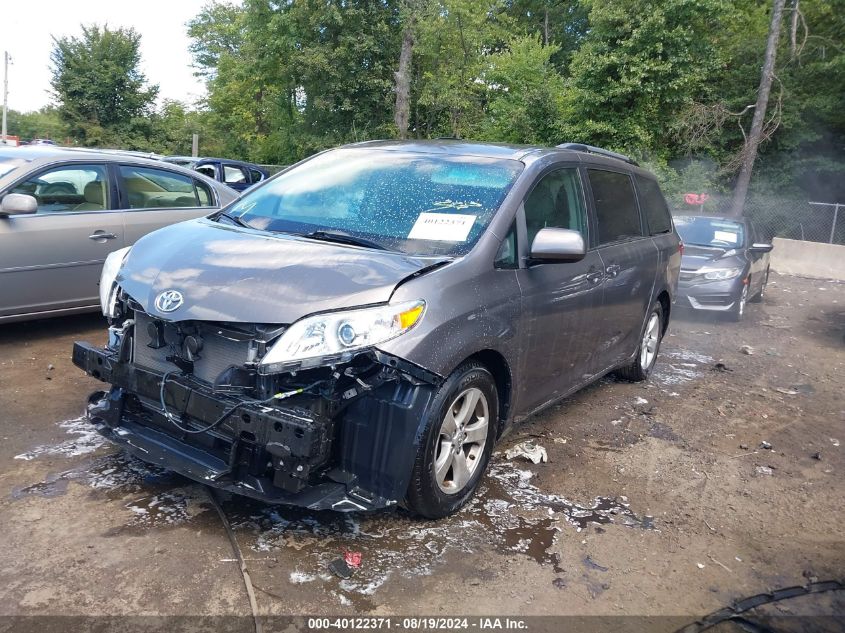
657,499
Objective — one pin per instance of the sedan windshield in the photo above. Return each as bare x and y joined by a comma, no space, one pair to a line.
420,204
713,232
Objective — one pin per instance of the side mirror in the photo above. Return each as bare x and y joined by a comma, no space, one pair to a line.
558,245
18,204
761,248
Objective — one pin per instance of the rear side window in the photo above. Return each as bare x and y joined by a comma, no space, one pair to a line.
234,175
556,201
617,214
654,206
159,189
257,176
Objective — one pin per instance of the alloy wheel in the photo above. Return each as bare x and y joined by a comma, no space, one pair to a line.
461,441
651,338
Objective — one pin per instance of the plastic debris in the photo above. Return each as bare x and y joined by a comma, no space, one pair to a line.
340,568
560,440
353,559
817,455
788,392
747,350
700,565
834,441
530,451
766,445
764,470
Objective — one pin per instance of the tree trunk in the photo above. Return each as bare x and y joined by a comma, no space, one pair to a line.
749,151
793,30
546,27
403,80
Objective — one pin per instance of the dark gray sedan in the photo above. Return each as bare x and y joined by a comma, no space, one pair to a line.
62,211
725,264
361,329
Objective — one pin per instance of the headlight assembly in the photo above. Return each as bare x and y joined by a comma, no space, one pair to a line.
335,337
719,274
108,289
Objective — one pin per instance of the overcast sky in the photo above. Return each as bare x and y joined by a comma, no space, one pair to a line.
27,27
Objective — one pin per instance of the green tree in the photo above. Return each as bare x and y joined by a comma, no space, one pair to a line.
525,89
102,95
641,63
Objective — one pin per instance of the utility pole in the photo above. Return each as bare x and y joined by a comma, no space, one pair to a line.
5,91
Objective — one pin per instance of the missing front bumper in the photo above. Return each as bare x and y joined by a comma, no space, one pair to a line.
280,454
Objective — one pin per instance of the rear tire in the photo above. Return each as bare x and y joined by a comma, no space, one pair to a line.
646,356
457,442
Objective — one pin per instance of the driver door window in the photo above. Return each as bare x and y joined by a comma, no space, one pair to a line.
556,201
68,188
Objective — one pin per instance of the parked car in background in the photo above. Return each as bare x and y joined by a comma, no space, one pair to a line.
62,211
41,141
360,330
236,174
725,264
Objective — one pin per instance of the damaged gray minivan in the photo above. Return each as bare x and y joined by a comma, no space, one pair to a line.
359,331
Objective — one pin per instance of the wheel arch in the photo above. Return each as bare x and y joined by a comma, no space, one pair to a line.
498,366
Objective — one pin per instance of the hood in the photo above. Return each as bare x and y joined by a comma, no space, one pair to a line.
227,273
696,257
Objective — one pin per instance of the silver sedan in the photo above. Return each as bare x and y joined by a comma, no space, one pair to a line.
62,211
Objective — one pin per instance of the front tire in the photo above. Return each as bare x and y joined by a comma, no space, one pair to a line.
758,298
738,311
646,356
455,449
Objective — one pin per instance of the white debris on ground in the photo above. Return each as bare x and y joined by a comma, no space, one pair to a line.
85,440
528,450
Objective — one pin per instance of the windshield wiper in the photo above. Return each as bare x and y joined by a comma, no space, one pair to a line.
234,218
342,238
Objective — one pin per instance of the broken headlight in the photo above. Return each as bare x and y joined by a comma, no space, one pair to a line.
108,289
335,337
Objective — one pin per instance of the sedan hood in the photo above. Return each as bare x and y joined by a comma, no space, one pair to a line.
696,257
225,273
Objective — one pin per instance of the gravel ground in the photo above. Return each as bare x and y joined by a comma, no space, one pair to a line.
720,478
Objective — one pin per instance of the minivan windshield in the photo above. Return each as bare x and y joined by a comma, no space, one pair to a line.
415,203
712,232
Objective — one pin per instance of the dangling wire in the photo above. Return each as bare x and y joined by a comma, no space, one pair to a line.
173,420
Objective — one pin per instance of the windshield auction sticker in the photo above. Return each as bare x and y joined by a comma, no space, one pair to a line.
442,227
726,236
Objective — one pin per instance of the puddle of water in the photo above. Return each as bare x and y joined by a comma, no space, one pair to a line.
509,515
679,366
85,440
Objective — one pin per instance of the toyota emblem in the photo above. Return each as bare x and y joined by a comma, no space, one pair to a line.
169,300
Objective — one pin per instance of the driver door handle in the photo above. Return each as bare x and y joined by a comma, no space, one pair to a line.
613,270
102,235
594,277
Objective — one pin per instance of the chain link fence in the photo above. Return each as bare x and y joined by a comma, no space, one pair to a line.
783,217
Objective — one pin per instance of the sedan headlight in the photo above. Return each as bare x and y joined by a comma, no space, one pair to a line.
335,337
108,289
719,274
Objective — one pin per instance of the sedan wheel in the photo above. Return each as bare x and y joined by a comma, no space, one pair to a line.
739,310
463,435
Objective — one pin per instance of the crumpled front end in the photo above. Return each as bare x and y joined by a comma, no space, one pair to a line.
188,396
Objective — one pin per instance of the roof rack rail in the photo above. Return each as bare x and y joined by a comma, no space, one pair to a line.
581,147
